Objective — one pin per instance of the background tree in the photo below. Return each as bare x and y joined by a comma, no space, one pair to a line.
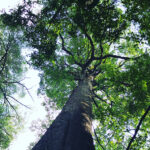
40,126
11,70
91,45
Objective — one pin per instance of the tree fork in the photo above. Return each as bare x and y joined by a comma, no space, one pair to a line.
71,130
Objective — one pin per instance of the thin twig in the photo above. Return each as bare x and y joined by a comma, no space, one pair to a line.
6,99
26,89
138,128
19,102
18,82
98,140
95,103
98,97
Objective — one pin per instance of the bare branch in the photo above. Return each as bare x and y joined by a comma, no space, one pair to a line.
95,103
98,97
68,52
17,82
18,102
6,131
126,84
6,99
113,56
26,89
12,107
4,58
138,128
98,140
92,51
92,45
102,51
63,46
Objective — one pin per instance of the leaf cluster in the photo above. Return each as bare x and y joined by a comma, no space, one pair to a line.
73,40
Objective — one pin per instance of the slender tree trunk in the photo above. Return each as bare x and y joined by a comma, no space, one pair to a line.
71,130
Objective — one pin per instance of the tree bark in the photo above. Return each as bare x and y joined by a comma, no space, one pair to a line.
71,130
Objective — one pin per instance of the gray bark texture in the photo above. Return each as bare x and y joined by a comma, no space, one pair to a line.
71,130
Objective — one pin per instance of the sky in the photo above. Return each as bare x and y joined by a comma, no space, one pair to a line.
8,4
25,136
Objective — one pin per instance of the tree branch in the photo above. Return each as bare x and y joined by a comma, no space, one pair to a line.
92,45
4,58
18,102
6,99
138,128
68,52
112,56
95,102
63,46
92,51
98,97
98,140
18,82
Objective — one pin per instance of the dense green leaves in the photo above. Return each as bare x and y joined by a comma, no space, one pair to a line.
139,13
104,39
8,127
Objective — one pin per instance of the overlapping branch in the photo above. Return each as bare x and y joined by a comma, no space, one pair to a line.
98,140
21,84
4,60
98,97
8,96
7,101
138,128
92,51
68,52
18,102
112,56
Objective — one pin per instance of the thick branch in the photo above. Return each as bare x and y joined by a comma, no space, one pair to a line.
92,51
92,45
113,56
95,95
68,52
138,127
102,50
95,103
93,71
63,46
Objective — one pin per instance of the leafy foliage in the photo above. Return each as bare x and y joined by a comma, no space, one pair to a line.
73,40
8,127
11,69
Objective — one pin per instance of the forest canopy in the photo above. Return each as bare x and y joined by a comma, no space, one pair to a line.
106,40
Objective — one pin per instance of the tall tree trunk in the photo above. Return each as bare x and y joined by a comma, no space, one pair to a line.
71,130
